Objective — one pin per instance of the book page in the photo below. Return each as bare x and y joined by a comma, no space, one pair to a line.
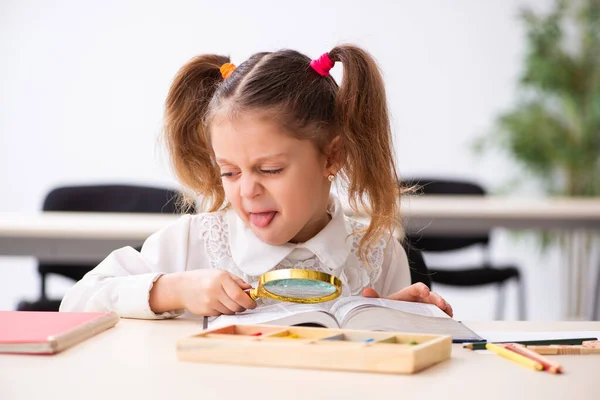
280,313
385,319
270,311
343,307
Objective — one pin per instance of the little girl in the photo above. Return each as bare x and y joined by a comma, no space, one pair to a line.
261,144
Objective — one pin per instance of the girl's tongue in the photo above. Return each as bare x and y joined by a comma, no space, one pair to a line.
261,220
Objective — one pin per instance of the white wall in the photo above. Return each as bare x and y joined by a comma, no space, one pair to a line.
82,86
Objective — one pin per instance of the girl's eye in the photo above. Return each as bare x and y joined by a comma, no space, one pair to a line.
227,174
271,171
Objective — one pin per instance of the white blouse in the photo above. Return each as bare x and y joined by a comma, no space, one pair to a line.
122,282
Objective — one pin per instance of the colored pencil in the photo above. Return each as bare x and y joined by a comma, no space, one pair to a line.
515,357
481,346
563,350
592,344
548,365
290,336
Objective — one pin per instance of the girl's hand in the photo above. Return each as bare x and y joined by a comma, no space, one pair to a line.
206,292
213,292
418,292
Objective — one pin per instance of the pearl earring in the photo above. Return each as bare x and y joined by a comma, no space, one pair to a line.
331,177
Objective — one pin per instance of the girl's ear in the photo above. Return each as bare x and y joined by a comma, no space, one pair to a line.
333,151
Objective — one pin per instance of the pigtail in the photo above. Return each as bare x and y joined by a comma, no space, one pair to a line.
186,134
368,158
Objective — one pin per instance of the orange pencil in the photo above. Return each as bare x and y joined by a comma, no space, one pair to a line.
548,365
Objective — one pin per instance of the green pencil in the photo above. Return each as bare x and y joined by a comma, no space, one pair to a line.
481,346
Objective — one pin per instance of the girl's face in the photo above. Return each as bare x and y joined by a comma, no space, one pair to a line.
277,184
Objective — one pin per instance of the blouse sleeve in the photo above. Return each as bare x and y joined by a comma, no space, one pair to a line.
395,274
123,280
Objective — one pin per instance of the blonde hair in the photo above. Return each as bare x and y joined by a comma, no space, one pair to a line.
311,106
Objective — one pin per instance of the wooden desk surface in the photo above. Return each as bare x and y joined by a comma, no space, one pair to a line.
137,360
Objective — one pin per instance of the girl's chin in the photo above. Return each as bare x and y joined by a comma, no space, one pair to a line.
271,236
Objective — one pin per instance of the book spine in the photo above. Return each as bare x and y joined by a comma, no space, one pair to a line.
83,332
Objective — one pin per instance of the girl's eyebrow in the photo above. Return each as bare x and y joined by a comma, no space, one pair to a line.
257,160
269,157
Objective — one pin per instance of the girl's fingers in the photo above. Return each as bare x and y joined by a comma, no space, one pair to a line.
232,306
437,300
419,290
240,282
224,304
420,293
369,292
221,308
236,294
416,292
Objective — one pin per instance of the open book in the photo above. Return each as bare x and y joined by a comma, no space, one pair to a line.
357,312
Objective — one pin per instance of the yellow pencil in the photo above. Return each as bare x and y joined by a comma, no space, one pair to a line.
511,355
291,336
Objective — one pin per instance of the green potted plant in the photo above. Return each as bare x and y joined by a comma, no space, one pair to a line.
554,129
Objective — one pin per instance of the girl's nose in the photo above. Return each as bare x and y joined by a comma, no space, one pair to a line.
249,187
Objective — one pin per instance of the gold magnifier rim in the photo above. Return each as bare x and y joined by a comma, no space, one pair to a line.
292,273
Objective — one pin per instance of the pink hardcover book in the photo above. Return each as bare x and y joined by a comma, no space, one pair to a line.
48,332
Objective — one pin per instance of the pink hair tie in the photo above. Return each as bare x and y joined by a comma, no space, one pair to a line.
322,64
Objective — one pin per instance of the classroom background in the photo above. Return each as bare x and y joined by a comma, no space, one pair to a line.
82,88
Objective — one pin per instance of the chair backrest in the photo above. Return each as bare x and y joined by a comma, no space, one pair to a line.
112,198
448,242
105,198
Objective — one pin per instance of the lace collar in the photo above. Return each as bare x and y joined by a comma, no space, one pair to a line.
254,257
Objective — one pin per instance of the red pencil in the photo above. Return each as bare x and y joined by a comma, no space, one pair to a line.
524,351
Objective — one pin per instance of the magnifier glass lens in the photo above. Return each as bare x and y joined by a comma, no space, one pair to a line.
299,288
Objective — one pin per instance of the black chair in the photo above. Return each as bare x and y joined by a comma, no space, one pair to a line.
479,275
99,198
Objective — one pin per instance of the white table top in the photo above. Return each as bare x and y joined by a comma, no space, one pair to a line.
71,225
137,360
89,237
507,212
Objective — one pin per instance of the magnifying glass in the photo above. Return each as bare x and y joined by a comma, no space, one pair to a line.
297,286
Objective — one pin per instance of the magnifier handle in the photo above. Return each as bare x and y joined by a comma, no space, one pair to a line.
253,293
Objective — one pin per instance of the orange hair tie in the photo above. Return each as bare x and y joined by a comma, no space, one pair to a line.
226,70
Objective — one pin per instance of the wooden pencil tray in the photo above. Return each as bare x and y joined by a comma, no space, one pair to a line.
316,348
